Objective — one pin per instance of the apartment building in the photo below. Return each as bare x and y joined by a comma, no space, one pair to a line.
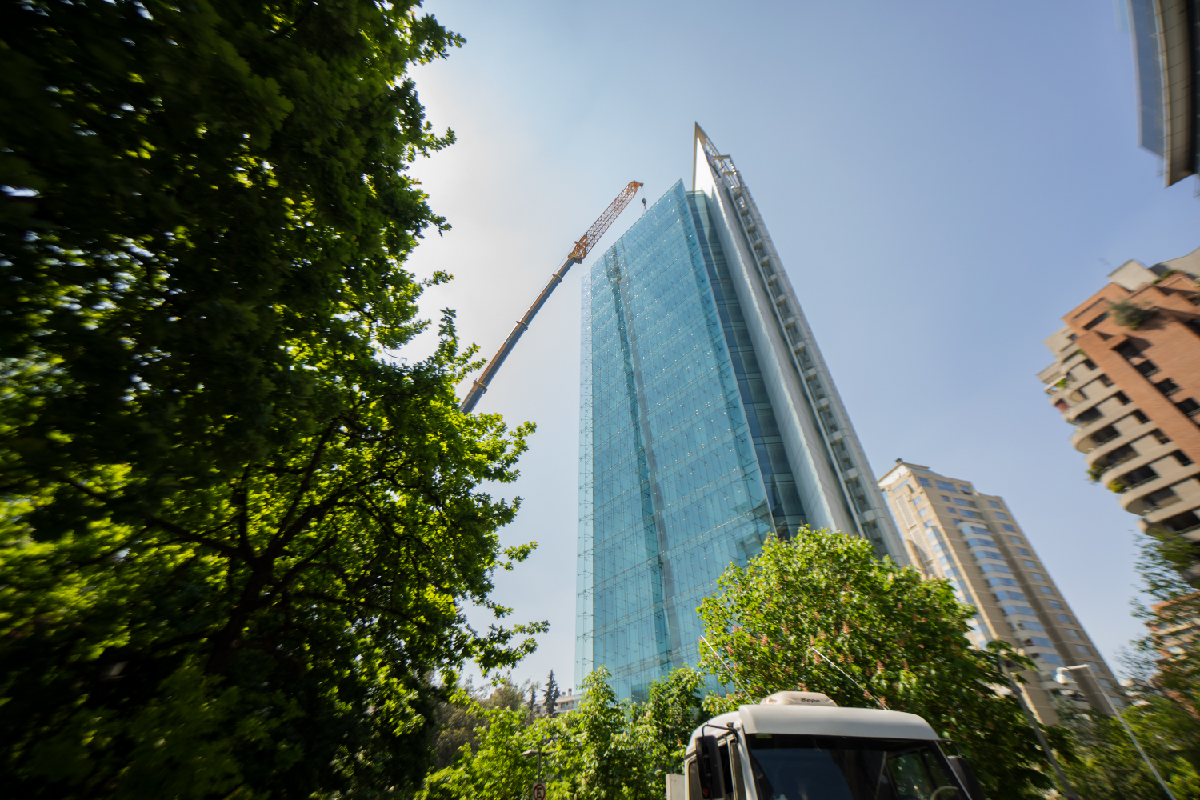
973,540
1126,374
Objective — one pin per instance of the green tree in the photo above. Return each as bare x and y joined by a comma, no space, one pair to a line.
236,540
603,750
820,613
1165,714
550,696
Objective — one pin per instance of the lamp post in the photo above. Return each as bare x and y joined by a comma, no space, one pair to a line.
1061,677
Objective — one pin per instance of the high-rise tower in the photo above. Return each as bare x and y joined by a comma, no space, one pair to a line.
708,422
973,540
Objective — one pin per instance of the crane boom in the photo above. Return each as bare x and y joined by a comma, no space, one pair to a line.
578,253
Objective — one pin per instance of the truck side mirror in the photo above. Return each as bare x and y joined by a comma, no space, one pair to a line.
966,776
708,763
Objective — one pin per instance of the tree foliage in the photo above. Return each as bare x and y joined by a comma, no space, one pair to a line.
604,750
820,613
1165,714
237,541
551,695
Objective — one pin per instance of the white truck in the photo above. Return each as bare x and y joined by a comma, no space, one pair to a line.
803,746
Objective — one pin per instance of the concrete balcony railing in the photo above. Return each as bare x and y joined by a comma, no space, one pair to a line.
1146,449
1169,471
1186,496
1097,395
1127,429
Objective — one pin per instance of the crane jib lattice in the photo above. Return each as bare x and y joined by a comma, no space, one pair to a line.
577,254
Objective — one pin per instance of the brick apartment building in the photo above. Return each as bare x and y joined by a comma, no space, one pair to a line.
1127,376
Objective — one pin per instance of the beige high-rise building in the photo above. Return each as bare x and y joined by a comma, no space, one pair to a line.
973,541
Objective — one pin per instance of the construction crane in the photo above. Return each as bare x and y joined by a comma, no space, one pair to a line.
576,256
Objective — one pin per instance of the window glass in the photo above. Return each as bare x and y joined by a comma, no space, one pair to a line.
1028,563
971,514
923,511
1045,590
1021,551
1018,610
1038,641
1010,596
965,489
1049,658
945,487
1009,528
1070,633
994,504
844,768
1037,576
962,501
1001,515
1063,618
945,499
1054,603
1083,650
923,481
994,581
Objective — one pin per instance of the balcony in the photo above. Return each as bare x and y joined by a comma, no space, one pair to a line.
1137,477
1106,461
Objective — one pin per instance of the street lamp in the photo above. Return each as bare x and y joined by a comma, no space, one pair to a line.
1061,676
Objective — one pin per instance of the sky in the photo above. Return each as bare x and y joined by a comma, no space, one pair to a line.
943,181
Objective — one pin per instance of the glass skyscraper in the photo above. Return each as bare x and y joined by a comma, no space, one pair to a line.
708,422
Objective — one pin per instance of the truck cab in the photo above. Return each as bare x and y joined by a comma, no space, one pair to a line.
803,746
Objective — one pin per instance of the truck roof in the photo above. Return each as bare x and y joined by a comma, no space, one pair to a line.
823,721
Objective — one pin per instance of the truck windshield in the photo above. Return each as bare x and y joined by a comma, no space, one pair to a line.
844,768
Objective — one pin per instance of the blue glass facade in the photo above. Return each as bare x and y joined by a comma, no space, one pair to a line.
682,470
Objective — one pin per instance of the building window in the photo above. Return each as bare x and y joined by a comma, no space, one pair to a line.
945,487
923,511
1051,658
1029,564
1083,650
1016,611
965,489
1072,634
1009,528
1188,406
923,481
1063,618
1182,458
995,568
1001,515
1002,596
1039,641
1054,603
994,504
1122,398
1045,590
993,581
1021,551
1037,576
971,514
1128,349
1168,387
1160,437
1147,368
